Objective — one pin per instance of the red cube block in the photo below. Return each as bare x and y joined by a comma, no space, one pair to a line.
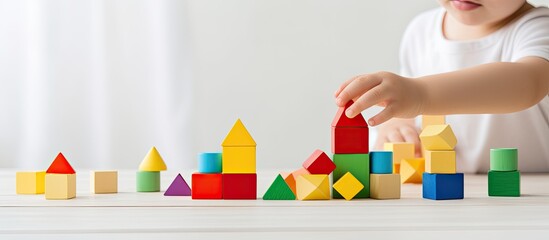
319,163
239,186
207,186
348,140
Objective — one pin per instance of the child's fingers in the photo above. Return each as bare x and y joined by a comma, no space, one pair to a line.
343,86
395,136
367,100
381,117
356,88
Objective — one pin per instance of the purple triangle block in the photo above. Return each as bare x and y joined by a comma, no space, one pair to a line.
178,187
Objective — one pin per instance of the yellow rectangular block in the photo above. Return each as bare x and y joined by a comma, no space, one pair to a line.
440,161
29,182
384,186
427,120
400,151
104,181
60,186
238,160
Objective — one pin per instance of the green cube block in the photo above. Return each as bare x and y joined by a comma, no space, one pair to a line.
356,164
504,184
504,159
148,181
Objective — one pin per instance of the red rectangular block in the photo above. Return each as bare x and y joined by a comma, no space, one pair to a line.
207,186
240,186
350,140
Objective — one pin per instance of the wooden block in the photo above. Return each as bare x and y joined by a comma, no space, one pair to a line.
279,190
438,186
239,160
384,186
428,120
207,186
400,151
289,178
438,137
349,140
381,162
341,120
148,181
440,161
30,182
504,184
411,170
178,187
348,186
359,166
238,136
60,186
300,172
210,162
313,187
240,186
396,168
60,165
319,163
504,159
104,181
152,162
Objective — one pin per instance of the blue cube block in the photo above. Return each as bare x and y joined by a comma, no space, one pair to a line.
381,162
209,163
437,186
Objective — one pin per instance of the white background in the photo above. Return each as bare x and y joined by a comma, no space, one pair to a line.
103,81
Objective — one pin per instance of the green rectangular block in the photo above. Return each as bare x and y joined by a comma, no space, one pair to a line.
356,164
148,181
504,184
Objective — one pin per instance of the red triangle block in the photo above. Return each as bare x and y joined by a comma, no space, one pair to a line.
341,120
60,165
319,163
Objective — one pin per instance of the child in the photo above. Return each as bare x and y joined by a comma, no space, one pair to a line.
484,64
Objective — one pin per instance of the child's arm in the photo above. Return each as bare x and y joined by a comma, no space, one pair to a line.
501,87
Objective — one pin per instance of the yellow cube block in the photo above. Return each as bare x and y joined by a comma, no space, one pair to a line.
29,182
104,181
384,186
438,137
348,186
440,161
428,120
411,170
313,187
238,160
60,186
400,151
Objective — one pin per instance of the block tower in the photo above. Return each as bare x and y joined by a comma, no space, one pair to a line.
314,183
384,184
504,177
350,149
231,174
148,176
60,179
440,180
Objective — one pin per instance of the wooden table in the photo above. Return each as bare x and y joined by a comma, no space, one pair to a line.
152,216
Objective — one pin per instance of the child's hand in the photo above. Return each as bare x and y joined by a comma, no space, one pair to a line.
402,97
398,130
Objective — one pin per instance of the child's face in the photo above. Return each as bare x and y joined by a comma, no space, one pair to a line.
479,12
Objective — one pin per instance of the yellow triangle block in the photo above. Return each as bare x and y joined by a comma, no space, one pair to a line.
411,170
238,136
438,137
348,186
153,162
313,187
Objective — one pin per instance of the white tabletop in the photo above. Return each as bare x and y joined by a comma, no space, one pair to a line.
151,215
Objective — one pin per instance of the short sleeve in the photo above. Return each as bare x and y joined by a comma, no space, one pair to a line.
532,37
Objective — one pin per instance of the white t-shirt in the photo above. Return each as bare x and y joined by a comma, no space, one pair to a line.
425,51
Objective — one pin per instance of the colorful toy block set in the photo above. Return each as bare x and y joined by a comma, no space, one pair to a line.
357,173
